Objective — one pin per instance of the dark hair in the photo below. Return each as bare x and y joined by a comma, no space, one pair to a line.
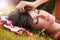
20,19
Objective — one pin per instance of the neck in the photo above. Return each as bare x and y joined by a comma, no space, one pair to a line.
54,28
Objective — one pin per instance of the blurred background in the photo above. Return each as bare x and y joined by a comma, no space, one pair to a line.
6,6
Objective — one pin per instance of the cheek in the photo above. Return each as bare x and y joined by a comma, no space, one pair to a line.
42,22
45,23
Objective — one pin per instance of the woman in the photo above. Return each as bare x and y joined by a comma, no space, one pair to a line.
36,3
37,20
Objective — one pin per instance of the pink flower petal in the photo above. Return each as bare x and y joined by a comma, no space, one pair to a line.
29,33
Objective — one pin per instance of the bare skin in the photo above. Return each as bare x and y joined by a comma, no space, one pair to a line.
45,21
36,3
32,5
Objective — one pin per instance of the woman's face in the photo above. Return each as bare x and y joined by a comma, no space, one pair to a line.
45,19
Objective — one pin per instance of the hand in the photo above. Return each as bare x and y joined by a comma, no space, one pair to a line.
23,4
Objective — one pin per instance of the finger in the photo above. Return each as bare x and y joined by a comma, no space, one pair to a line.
21,10
18,8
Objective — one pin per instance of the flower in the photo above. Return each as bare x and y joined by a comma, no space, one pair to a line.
29,33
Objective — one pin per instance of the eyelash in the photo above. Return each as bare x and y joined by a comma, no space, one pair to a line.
35,21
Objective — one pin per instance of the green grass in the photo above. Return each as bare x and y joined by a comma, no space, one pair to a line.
5,34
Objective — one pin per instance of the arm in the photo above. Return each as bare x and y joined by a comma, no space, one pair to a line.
32,5
39,2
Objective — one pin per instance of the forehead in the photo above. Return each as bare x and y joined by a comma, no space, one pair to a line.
34,13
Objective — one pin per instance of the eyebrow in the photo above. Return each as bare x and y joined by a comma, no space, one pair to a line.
37,11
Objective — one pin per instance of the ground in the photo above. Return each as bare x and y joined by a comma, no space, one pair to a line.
5,34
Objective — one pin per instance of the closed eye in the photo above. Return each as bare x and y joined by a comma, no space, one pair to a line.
40,16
